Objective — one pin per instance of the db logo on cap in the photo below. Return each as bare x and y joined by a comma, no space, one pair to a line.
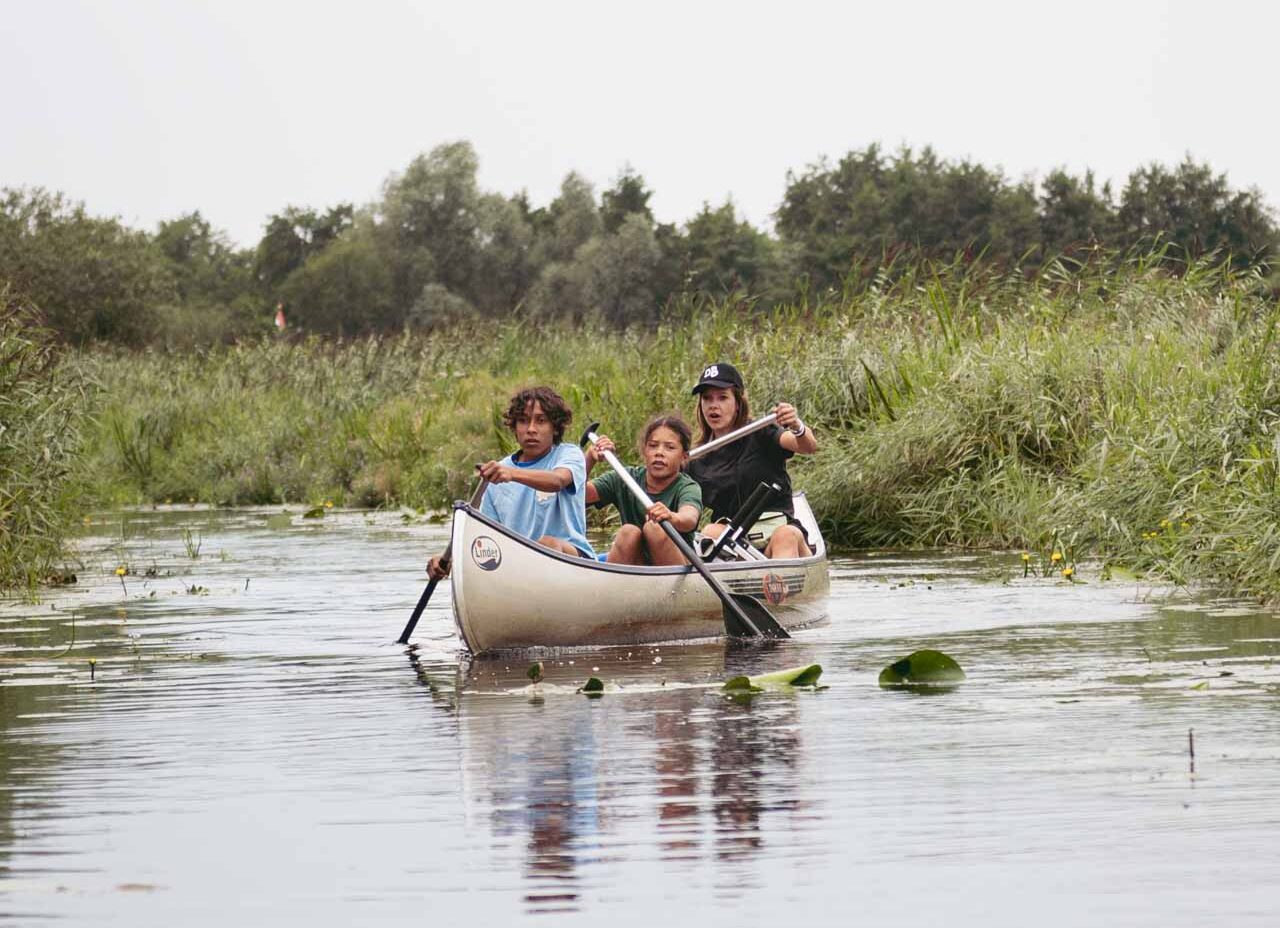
712,371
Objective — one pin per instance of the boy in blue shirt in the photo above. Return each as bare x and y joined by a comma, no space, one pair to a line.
538,491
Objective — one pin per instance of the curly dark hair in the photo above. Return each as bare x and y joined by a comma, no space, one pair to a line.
552,403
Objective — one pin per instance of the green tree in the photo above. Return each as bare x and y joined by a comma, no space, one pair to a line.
430,219
293,236
619,273
627,197
569,222
1073,212
92,279
347,289
1197,210
721,254
504,268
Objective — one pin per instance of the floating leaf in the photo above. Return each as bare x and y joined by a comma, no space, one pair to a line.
923,669
793,676
315,512
593,687
1202,685
535,671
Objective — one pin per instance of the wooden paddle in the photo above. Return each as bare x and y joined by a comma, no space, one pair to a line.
444,561
744,617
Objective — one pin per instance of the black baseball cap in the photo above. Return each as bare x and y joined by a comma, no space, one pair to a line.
719,374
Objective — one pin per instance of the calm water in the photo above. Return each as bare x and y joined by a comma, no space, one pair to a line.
259,751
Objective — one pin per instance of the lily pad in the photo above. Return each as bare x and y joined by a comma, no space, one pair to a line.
593,687
793,676
923,670
315,512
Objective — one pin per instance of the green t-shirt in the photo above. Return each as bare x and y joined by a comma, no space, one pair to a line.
613,492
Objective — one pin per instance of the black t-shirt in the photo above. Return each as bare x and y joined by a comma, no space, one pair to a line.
730,475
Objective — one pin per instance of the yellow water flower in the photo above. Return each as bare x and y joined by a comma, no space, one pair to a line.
1186,525
328,504
1068,571
88,521
1165,523
120,571
1025,557
1057,556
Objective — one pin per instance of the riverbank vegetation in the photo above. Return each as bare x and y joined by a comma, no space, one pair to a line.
1106,407
42,404
1041,364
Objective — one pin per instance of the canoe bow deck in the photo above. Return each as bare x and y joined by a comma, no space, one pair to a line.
511,593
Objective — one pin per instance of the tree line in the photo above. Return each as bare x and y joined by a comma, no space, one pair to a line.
435,249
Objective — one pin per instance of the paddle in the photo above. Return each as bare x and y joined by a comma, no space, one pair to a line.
730,437
444,561
744,617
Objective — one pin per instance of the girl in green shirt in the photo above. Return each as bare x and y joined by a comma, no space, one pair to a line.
676,496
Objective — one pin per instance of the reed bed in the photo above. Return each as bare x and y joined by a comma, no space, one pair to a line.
1107,408
42,404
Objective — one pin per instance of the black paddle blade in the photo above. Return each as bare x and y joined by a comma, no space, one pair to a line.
765,625
586,434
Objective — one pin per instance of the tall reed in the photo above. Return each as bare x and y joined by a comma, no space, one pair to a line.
41,408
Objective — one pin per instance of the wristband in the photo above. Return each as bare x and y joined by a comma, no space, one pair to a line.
798,429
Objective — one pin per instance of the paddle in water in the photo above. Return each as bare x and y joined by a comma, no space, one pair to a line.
744,617
444,560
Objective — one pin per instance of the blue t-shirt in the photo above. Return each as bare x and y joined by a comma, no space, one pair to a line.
534,513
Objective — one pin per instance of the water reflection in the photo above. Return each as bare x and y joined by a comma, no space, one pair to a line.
573,779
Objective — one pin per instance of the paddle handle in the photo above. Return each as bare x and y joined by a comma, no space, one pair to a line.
733,436
445,558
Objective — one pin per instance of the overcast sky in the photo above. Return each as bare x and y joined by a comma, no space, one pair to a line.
147,110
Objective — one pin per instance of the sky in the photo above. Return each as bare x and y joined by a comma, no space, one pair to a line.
149,110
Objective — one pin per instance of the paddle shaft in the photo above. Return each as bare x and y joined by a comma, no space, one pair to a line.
444,562
683,546
730,437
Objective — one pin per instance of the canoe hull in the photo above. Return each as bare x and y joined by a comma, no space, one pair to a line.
510,593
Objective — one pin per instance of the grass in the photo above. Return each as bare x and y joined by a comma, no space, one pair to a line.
42,405
1086,407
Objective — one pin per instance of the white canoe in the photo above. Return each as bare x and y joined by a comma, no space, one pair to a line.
511,593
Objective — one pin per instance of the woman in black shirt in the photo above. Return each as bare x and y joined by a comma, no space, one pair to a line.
731,474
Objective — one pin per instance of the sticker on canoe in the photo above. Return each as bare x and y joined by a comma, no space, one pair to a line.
486,553
775,588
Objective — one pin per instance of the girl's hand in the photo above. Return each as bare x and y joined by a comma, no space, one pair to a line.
658,512
595,454
786,414
495,472
437,568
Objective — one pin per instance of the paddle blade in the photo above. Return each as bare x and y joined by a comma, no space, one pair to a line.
765,625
